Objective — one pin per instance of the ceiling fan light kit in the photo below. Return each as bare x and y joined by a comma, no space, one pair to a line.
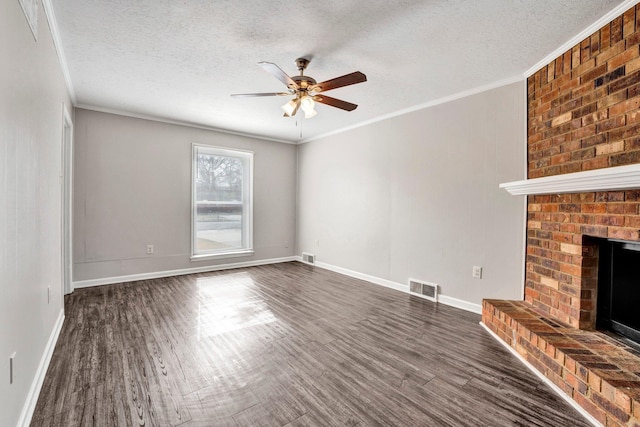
307,104
305,89
290,107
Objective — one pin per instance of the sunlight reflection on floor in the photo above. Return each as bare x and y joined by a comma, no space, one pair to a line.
229,303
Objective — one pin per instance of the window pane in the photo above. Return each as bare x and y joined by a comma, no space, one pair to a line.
219,227
222,210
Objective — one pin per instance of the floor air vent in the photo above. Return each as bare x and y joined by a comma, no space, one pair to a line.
424,289
308,258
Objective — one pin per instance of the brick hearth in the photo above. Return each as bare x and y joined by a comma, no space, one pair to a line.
583,114
601,374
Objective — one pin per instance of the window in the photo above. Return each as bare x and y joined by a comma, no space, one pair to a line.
222,187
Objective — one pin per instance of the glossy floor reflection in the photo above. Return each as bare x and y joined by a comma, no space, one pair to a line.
228,303
282,345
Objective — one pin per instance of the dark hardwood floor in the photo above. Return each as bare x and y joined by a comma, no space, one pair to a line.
282,345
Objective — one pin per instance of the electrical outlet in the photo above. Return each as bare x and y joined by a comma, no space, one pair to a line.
48,294
13,356
286,244
317,243
477,272
149,249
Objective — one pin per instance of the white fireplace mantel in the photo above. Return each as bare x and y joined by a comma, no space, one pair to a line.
607,179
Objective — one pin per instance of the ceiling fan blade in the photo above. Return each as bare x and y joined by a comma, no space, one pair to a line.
240,95
346,80
277,72
338,103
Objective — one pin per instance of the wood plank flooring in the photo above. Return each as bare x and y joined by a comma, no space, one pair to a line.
282,345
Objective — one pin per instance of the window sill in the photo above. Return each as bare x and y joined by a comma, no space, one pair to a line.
233,254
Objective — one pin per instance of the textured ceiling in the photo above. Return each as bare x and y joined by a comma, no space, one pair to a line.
180,60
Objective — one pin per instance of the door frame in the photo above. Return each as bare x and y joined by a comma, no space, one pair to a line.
66,183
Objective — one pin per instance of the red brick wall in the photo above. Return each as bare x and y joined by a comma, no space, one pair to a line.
583,114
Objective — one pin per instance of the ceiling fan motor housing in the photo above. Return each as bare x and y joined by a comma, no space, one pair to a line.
304,81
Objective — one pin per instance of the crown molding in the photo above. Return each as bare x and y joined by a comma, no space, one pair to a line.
425,105
178,123
608,17
57,43
607,179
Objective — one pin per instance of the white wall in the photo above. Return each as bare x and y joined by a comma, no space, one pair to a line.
32,93
132,187
417,196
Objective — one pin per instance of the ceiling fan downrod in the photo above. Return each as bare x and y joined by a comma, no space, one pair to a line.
302,64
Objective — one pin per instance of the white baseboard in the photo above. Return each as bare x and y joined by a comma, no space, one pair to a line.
446,300
462,304
362,276
38,380
168,273
546,380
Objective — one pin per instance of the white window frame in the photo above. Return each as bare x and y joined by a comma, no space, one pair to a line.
247,212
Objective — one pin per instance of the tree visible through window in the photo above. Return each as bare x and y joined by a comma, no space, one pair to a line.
222,211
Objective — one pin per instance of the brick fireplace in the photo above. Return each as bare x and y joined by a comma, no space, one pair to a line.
583,115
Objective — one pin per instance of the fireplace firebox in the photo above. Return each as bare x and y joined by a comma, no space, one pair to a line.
618,307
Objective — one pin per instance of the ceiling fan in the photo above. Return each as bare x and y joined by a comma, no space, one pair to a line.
306,91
